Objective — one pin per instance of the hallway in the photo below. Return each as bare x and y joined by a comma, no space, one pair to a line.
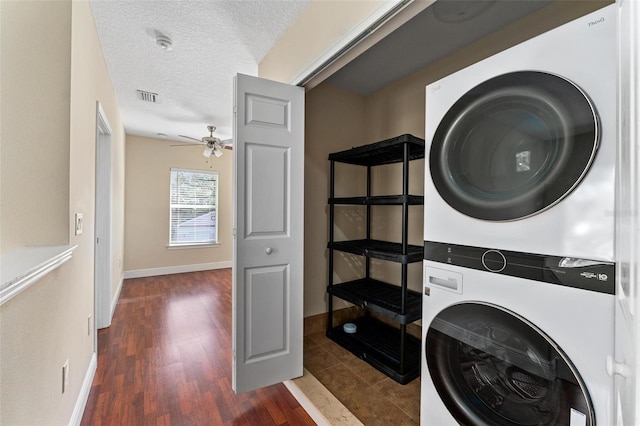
166,360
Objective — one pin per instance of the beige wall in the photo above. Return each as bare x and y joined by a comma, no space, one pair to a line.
57,47
317,30
148,162
35,67
334,120
90,83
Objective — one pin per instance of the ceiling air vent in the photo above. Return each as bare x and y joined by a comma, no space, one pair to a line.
154,98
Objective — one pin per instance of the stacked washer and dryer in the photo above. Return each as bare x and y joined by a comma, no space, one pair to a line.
518,305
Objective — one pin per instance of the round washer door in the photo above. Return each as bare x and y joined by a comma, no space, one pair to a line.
491,367
514,146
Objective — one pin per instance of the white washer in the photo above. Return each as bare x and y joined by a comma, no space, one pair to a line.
502,350
518,311
522,145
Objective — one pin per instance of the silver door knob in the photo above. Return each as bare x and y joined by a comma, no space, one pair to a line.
268,250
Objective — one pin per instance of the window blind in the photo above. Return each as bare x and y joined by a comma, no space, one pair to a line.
194,207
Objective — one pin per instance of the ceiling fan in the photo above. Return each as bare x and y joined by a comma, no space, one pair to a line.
213,144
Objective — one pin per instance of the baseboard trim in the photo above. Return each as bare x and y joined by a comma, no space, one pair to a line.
83,397
116,297
152,272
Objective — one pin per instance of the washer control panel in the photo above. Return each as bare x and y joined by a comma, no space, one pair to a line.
587,274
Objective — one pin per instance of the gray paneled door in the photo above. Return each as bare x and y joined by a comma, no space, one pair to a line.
268,232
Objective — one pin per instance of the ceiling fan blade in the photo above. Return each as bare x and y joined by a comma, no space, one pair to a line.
226,144
194,139
186,144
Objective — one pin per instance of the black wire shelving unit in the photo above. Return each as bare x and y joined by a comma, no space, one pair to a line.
387,347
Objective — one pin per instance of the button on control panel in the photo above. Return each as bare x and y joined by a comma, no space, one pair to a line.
494,261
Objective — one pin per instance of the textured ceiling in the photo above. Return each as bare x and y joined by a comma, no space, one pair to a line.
212,41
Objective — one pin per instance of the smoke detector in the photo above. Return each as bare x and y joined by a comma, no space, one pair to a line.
164,42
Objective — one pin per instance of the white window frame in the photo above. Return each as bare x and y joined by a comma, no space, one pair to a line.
178,244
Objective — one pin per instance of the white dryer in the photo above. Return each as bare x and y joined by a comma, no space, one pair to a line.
505,351
518,305
521,147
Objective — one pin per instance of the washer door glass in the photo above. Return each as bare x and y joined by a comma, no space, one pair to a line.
491,367
513,146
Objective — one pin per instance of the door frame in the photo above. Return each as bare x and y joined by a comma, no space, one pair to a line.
624,363
102,225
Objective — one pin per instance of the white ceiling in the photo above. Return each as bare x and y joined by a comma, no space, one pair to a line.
212,41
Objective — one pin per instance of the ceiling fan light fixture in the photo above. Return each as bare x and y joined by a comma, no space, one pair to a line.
207,152
217,152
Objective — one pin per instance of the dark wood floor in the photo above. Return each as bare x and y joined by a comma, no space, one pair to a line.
166,360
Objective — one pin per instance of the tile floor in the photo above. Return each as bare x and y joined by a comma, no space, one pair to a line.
371,396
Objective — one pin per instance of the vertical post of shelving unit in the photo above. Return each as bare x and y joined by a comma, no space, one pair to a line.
405,250
367,260
405,222
331,219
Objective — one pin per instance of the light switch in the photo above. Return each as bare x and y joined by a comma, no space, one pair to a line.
78,223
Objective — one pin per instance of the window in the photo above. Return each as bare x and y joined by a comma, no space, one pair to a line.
194,207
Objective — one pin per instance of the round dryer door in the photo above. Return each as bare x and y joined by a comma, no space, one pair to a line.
491,367
514,146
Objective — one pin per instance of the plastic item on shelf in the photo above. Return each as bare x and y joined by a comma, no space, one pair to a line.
349,328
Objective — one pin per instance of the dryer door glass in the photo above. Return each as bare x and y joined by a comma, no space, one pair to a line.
513,146
491,367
